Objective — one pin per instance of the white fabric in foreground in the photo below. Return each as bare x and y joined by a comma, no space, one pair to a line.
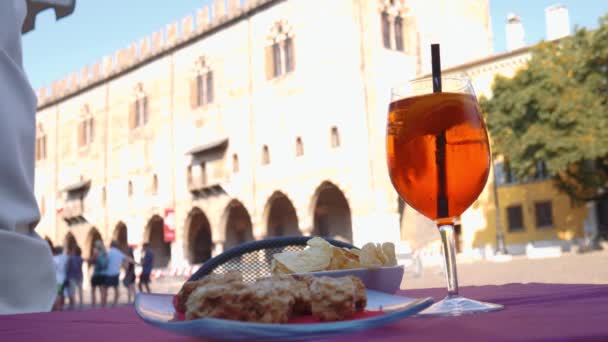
27,276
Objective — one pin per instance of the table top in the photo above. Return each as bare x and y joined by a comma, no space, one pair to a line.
533,312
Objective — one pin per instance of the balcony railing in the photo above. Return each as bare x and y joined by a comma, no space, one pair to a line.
73,211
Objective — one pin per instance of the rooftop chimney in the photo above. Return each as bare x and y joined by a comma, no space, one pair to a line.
557,22
514,32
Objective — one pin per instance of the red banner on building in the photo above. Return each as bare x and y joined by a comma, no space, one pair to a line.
169,228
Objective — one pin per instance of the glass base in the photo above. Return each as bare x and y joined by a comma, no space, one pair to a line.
458,306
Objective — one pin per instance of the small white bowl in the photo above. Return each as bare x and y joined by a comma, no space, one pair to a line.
384,279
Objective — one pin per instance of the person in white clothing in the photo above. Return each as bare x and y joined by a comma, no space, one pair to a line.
27,277
60,260
116,259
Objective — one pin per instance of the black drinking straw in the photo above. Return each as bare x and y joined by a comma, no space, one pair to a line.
442,198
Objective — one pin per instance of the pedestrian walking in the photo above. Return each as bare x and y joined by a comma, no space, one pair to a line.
116,259
147,262
99,261
60,260
129,279
74,275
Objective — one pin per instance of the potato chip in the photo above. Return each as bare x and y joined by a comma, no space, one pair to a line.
380,254
320,255
308,260
389,250
318,242
343,260
354,251
368,257
352,254
278,268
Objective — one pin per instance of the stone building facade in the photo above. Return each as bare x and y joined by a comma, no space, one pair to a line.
249,119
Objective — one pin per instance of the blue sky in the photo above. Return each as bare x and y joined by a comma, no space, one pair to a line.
99,27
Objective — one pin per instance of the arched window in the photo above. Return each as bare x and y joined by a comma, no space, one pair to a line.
235,163
288,51
201,86
386,30
265,155
299,147
398,27
138,111
280,50
398,34
130,188
334,137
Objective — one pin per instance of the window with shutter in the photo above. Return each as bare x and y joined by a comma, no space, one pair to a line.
141,112
335,137
265,155
130,189
280,52
91,130
154,184
276,60
398,34
397,27
145,110
299,147
544,214
200,90
44,146
209,87
386,30
289,55
235,163
40,148
515,218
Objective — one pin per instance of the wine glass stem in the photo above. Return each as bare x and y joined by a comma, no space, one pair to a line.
447,241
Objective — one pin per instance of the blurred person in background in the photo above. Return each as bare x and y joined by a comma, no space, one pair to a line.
60,261
116,259
147,262
99,261
28,274
74,275
129,279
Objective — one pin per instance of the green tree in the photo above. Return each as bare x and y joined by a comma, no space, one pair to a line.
556,111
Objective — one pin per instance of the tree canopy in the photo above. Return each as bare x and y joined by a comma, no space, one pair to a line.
556,111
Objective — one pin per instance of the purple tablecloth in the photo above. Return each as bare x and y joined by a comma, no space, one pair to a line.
534,312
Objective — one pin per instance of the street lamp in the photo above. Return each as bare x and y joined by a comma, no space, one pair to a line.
501,248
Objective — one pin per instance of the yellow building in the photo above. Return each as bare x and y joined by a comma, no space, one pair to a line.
531,210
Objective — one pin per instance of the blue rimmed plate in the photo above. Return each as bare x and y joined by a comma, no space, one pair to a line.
157,310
